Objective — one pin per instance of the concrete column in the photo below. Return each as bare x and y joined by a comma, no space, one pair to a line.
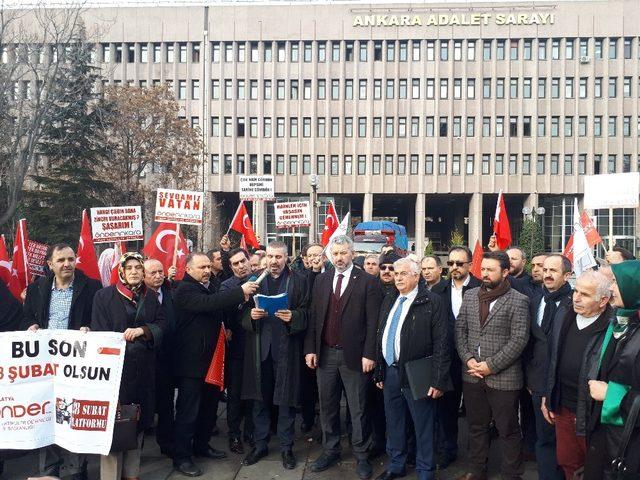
214,230
419,223
260,217
475,220
367,207
531,201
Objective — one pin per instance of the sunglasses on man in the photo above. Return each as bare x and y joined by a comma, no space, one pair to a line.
386,267
451,263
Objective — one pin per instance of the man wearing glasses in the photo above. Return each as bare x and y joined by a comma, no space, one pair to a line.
387,277
460,280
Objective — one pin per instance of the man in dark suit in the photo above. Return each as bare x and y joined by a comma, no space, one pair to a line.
273,349
555,303
62,300
413,325
492,330
199,307
11,313
340,343
452,291
237,409
431,268
155,280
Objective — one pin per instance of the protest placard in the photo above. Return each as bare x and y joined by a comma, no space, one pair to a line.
116,224
257,187
59,386
292,214
36,258
179,206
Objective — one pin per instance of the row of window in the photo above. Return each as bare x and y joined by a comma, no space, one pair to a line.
378,50
457,126
343,50
414,88
513,164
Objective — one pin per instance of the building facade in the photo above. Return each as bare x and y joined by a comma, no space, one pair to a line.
418,112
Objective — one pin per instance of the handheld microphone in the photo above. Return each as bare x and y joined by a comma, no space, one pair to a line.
262,276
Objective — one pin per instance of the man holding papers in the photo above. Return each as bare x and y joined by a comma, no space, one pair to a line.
412,368
273,348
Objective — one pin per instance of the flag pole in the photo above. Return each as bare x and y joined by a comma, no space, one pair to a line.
176,243
610,229
24,250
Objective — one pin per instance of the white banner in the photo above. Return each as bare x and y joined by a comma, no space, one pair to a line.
179,206
257,187
59,386
292,214
116,224
613,190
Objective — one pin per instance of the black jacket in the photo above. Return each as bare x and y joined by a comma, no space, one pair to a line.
525,285
288,366
233,319
36,304
112,312
424,334
536,354
360,306
169,312
620,365
556,343
10,310
199,312
444,290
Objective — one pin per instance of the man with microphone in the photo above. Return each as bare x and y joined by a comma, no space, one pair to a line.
273,348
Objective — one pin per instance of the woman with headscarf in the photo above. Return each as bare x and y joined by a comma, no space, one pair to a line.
613,374
130,308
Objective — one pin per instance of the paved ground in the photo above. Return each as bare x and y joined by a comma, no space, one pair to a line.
157,467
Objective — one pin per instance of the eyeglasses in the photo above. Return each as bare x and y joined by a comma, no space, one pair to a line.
386,267
451,263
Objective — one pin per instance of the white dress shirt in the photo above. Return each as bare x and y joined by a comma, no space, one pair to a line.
540,314
456,296
411,296
345,280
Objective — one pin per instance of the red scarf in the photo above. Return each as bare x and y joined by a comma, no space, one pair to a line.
131,294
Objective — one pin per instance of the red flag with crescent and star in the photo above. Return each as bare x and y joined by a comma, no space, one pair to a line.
241,229
5,262
161,246
476,261
215,373
20,270
86,260
330,224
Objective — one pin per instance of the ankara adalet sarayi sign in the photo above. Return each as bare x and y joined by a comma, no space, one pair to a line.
454,19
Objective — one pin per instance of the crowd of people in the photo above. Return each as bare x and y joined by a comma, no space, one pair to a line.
549,369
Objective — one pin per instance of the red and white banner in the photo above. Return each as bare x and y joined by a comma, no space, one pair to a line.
331,222
36,257
179,206
292,214
116,224
59,386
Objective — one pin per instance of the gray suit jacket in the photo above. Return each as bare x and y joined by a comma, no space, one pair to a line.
500,342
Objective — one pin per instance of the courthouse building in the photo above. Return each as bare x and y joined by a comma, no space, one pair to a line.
415,112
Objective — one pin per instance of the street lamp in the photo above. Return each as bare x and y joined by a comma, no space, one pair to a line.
313,228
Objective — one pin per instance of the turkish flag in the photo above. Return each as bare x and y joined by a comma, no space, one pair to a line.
215,374
590,231
501,227
330,224
163,249
476,260
241,229
20,271
86,260
118,249
5,262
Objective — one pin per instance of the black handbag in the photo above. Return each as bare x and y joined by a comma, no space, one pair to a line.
125,428
618,469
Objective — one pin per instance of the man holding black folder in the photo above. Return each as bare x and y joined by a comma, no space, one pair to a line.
412,368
